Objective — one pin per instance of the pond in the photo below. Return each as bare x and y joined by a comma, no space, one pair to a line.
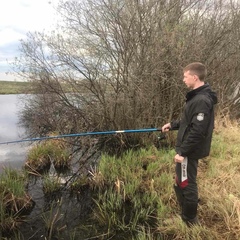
11,155
71,210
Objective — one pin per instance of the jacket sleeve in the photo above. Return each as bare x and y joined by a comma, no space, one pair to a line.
175,125
197,130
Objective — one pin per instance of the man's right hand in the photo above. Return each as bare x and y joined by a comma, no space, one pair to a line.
166,127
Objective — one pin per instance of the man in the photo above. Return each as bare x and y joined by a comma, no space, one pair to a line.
194,138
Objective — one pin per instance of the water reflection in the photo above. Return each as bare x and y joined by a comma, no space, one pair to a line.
12,154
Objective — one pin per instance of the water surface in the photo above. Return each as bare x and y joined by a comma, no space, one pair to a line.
11,155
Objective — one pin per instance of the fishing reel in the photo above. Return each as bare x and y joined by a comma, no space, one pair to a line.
162,136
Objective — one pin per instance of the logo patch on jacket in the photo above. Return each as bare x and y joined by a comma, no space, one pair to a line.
200,116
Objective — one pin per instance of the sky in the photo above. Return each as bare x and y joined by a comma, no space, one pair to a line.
17,18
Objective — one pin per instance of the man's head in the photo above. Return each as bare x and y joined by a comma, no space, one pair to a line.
194,75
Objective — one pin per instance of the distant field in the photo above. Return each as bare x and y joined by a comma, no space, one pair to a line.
12,87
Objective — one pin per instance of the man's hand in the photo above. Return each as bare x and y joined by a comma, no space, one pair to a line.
166,127
178,158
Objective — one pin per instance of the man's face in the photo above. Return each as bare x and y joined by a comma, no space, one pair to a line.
189,79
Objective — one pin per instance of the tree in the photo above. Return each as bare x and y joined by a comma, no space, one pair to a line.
122,59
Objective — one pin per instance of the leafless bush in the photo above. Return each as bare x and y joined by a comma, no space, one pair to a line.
121,62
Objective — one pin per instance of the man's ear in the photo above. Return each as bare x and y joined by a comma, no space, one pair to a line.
196,78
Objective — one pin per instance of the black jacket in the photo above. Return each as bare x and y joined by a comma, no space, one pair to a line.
197,122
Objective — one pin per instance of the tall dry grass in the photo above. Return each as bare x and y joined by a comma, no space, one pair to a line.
219,182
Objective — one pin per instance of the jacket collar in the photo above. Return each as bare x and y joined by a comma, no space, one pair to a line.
194,92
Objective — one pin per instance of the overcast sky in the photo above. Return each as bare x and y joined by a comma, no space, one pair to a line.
17,18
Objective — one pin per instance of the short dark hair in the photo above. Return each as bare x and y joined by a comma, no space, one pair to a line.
197,68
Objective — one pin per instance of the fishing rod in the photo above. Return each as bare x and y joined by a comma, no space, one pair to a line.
82,134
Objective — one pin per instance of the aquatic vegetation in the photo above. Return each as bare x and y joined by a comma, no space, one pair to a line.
79,185
38,159
51,184
42,155
52,220
131,199
14,201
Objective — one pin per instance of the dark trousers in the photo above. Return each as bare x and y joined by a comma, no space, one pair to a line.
186,188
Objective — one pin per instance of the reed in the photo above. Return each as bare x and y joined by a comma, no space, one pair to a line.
134,185
52,220
14,201
135,194
42,155
38,159
51,184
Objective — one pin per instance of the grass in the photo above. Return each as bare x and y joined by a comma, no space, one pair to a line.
136,195
51,184
133,195
38,159
14,201
51,220
13,87
41,155
18,87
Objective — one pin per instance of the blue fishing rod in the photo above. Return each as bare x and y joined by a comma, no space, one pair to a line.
82,134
